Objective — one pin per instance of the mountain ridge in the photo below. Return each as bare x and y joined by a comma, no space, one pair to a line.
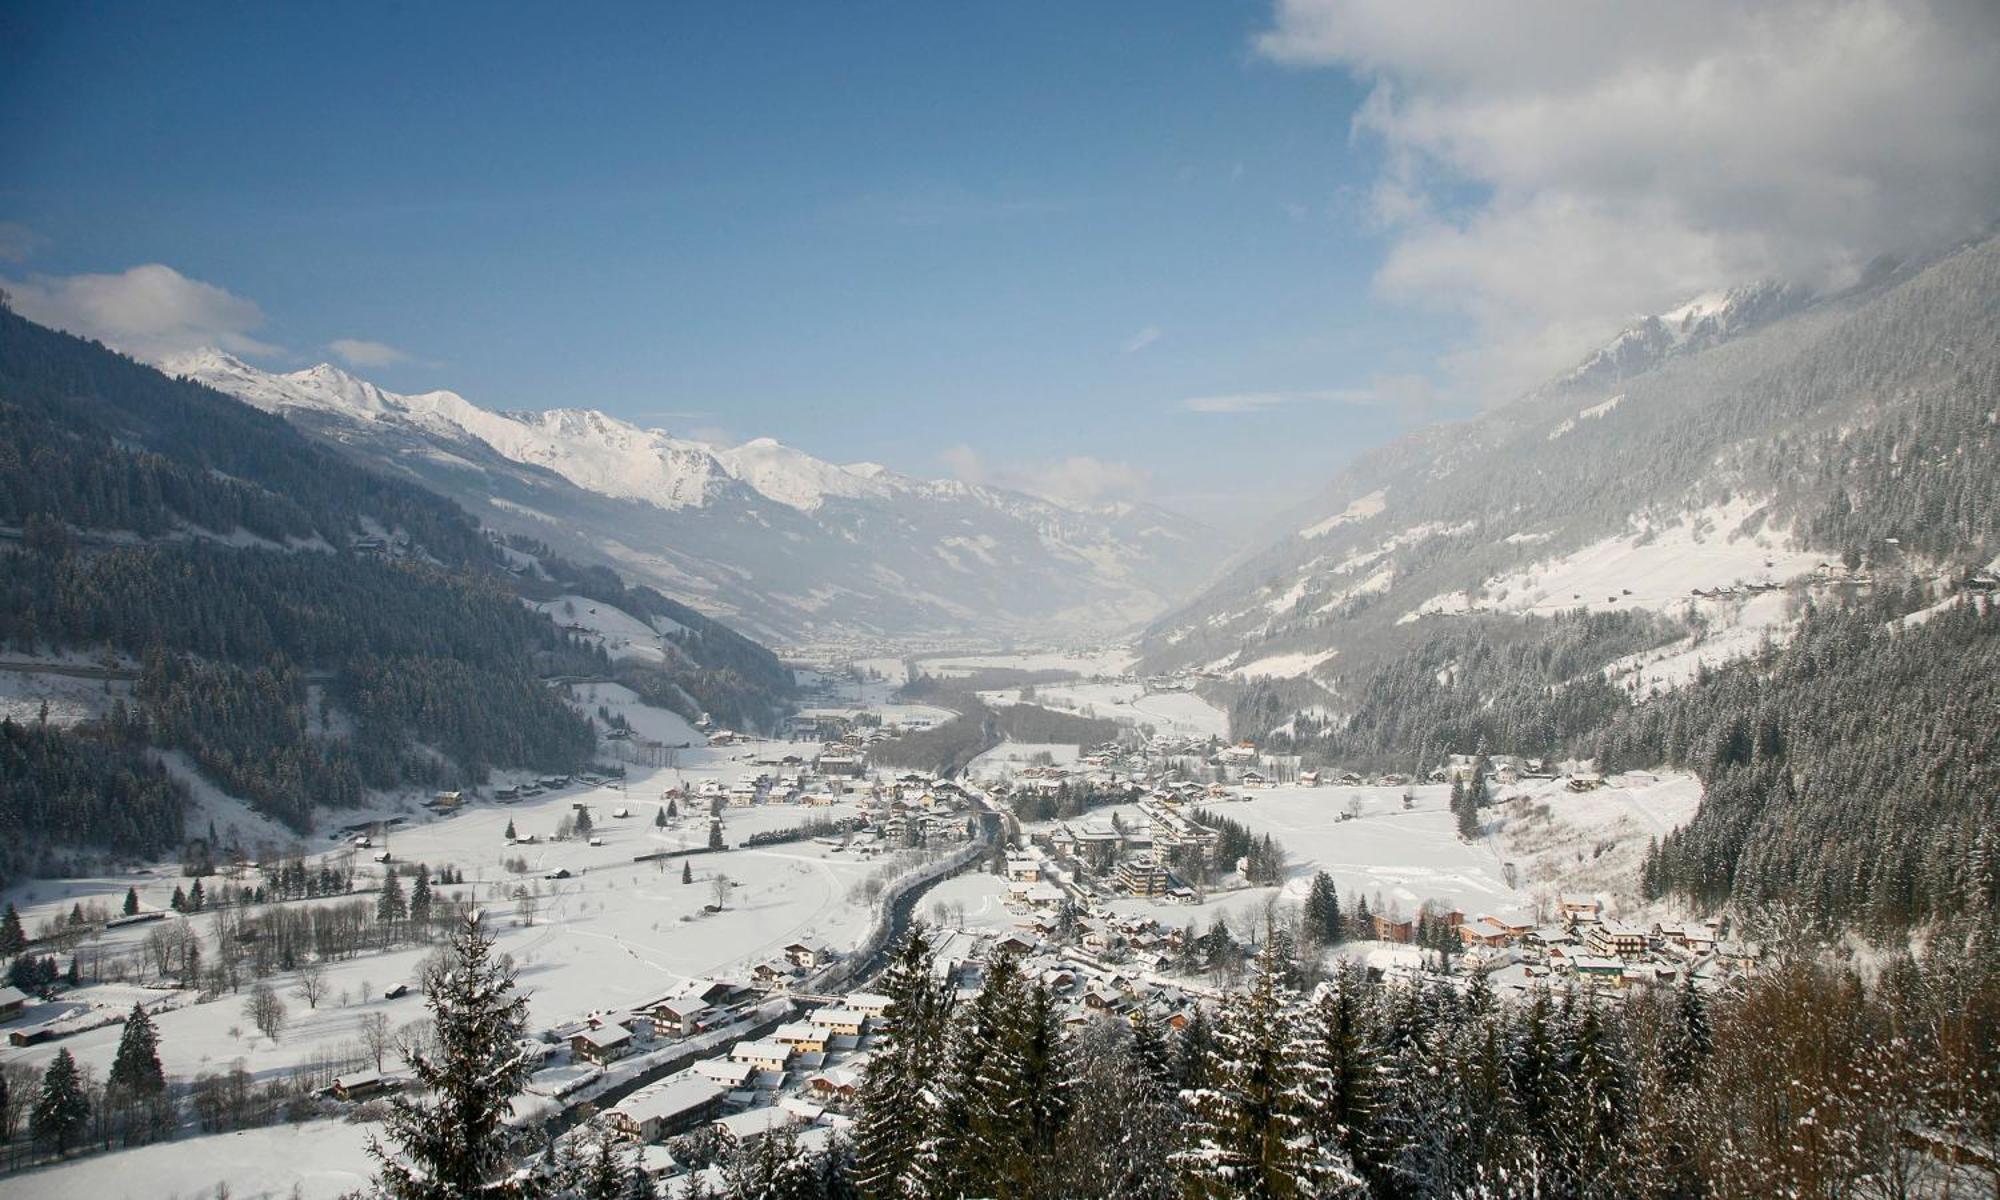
794,546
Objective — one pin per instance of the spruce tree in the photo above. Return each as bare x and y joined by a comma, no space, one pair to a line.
687,871
1248,1130
196,899
659,818
1323,910
451,1137
62,1110
510,829
135,1071
131,901
13,939
420,903
390,908
895,1124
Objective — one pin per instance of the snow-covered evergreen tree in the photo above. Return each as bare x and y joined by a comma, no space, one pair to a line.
895,1125
451,1140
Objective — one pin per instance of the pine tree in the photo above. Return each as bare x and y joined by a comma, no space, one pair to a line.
196,901
131,901
659,818
390,907
1322,910
1248,1133
179,903
895,1121
420,903
13,939
583,822
510,829
451,1141
62,1110
687,871
715,841
135,1071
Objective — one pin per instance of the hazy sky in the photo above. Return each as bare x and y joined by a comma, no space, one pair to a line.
1196,252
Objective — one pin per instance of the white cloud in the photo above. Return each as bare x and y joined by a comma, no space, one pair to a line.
1552,169
1142,339
359,352
1083,479
1077,480
150,311
1250,402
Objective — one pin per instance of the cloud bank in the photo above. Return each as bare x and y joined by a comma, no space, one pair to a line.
359,352
150,312
1552,169
1079,481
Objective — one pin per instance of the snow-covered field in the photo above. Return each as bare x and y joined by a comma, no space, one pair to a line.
1008,757
27,696
1182,714
1655,568
322,1159
620,633
1554,840
1087,663
615,933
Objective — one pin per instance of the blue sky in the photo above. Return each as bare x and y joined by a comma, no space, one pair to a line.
882,233
946,237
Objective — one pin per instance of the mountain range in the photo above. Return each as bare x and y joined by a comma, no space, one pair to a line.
785,545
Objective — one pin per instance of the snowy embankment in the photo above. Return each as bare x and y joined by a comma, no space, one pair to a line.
314,1160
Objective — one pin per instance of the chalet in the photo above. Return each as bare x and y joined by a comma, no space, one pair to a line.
1023,869
1584,781
447,801
601,1046
1309,778
726,1072
12,1001
844,1020
1616,938
1602,970
836,1084
1482,935
804,957
743,1128
1044,895
871,1004
767,1055
360,1085
803,1037
1575,907
1692,936
666,1109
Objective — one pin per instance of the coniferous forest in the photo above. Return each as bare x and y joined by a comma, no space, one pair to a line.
1809,1080
301,629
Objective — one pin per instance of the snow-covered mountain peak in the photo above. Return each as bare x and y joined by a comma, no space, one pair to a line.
1704,320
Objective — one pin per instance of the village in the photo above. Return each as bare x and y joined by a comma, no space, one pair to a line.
1133,878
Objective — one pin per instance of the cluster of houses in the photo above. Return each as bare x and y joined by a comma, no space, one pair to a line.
1585,944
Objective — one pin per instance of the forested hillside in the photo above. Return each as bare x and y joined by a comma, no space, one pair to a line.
1855,772
301,628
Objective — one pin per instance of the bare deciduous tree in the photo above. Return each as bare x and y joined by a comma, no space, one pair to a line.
266,1010
312,982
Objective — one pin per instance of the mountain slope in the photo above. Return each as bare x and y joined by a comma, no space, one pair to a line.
301,630
1761,436
788,544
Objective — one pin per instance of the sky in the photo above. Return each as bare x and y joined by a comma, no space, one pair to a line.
1196,253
